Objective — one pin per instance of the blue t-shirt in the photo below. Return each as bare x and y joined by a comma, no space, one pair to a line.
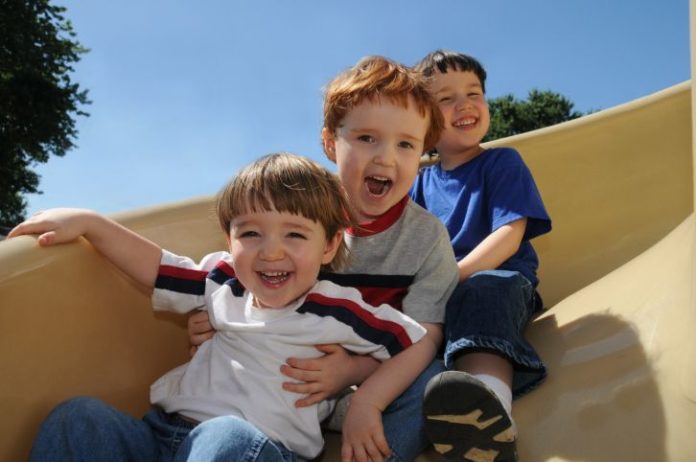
478,197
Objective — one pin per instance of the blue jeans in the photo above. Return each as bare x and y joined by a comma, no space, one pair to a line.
404,424
86,429
490,311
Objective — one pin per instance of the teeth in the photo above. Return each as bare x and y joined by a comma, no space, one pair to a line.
274,274
379,178
464,122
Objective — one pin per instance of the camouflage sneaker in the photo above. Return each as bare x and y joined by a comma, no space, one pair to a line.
465,420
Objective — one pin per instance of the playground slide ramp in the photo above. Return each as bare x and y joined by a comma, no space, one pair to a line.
616,272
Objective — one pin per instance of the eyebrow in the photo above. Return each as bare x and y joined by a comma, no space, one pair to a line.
287,224
372,130
468,87
303,227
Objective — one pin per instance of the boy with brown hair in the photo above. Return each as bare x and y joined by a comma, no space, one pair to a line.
283,218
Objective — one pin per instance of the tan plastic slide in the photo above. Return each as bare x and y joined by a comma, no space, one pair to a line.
619,337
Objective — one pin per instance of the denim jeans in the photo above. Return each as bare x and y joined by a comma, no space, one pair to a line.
491,310
404,424
86,429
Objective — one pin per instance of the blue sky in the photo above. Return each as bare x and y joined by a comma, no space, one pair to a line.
185,93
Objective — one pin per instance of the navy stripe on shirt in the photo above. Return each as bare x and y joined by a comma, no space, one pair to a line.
392,281
391,335
192,281
182,280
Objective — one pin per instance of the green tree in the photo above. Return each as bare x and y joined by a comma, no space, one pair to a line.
510,116
38,100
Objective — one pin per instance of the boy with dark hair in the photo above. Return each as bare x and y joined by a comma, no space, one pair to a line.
491,207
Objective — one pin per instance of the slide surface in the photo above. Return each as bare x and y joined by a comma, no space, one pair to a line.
616,271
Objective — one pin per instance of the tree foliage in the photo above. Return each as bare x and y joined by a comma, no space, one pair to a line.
511,116
38,100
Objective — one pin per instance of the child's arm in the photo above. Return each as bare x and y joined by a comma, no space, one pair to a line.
320,378
497,247
363,433
133,254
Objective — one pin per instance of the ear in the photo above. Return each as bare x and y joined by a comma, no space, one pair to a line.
328,139
332,246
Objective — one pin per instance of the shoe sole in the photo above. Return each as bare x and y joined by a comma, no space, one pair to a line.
465,421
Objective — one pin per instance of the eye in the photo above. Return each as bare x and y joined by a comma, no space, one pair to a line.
248,234
296,235
366,138
445,99
406,144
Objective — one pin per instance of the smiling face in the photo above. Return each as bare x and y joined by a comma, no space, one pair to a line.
277,255
377,148
460,96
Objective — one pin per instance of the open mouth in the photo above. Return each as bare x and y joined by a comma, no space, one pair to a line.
378,185
274,277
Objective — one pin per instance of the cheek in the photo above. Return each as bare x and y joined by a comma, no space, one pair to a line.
446,112
409,171
348,170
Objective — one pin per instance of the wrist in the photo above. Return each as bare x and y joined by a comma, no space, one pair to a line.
364,399
94,225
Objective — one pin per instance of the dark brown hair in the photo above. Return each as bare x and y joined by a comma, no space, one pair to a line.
444,60
286,182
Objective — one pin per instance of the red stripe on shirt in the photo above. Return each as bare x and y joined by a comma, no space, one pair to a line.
182,273
382,223
225,268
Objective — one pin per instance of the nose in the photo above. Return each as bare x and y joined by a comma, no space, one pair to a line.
462,102
386,155
271,250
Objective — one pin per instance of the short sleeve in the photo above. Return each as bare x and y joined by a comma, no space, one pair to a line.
181,283
434,281
513,194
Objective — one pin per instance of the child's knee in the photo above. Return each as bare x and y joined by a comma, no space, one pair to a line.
81,407
224,427
224,438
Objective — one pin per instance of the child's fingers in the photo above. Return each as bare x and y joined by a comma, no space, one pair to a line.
18,230
373,452
47,238
199,323
328,348
299,374
27,227
382,445
310,400
305,364
198,339
346,452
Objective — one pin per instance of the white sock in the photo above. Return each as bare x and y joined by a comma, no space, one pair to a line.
501,390
335,421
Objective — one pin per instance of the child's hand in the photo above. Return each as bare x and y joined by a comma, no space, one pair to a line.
320,377
199,329
55,226
363,434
